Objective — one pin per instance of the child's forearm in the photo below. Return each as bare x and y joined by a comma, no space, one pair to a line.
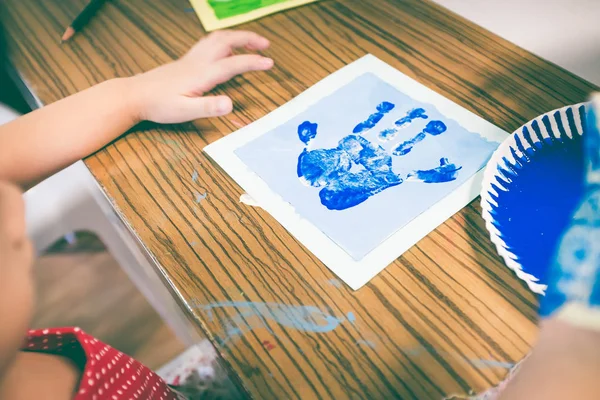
41,143
51,138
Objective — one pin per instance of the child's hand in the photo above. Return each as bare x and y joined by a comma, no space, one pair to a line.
174,92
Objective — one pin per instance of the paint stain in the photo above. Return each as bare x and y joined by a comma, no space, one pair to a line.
367,343
188,10
198,197
433,128
335,283
255,315
248,200
307,131
351,317
402,123
382,109
477,363
194,243
446,172
195,176
172,144
268,345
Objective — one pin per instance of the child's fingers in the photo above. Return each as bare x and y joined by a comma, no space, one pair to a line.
227,68
220,44
229,40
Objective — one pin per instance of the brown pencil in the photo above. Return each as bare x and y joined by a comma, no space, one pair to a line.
82,19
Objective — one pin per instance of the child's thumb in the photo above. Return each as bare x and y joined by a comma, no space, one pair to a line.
206,107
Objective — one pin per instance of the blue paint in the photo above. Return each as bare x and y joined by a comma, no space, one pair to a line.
415,113
367,343
382,109
331,169
478,363
253,315
336,283
307,131
446,172
433,128
351,317
575,274
199,197
195,176
320,167
410,116
539,196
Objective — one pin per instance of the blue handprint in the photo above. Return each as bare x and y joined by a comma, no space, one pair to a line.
382,109
331,169
357,169
446,172
433,128
390,133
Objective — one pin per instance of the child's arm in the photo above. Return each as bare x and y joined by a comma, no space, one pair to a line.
564,364
49,139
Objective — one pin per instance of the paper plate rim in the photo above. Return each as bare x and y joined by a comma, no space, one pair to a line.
490,179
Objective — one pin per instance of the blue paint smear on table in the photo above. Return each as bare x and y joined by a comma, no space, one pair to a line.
252,315
390,133
351,186
195,176
198,197
351,317
477,363
382,109
335,282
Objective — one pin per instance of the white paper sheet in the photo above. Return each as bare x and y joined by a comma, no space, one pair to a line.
310,222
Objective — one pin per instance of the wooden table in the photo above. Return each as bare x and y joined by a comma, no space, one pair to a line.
446,318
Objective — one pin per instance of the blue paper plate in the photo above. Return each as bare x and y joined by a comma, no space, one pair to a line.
531,187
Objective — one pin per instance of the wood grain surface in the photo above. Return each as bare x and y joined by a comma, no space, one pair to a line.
446,318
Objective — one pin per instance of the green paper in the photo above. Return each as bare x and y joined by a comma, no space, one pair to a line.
231,8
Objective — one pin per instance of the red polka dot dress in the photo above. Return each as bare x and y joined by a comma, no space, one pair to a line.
107,373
